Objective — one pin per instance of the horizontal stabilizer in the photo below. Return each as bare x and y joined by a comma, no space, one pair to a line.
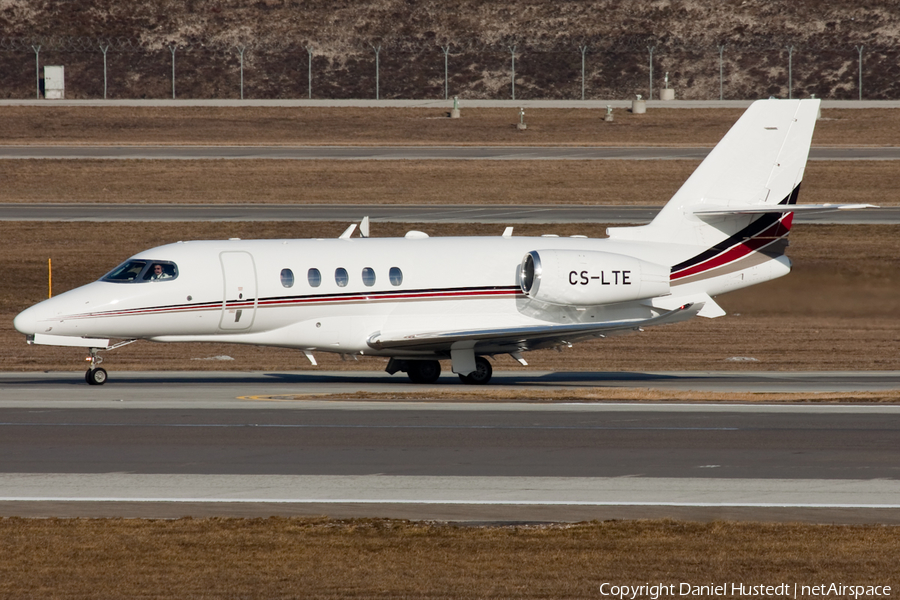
706,210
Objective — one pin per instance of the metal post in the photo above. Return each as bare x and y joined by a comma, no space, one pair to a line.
790,72
583,51
446,50
651,49
309,51
721,70
512,50
377,71
172,49
103,49
241,50
37,70
860,50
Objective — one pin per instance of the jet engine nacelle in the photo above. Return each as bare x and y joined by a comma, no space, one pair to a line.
587,278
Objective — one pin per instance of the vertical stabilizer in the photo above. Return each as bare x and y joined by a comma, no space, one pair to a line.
759,163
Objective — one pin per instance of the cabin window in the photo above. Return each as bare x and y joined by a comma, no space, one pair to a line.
139,271
341,277
368,276
396,276
287,278
314,278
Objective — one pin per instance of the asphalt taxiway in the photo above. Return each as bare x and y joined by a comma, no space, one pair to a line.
172,444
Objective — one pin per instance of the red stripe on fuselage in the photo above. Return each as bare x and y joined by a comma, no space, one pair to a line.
777,231
332,299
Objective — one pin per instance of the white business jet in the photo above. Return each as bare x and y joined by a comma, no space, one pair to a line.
419,300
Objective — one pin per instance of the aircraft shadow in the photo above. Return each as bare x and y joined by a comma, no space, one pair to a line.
375,379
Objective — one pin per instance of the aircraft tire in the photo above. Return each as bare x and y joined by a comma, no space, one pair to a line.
424,371
96,376
482,373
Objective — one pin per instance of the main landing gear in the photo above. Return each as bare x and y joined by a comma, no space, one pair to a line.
428,371
482,373
423,371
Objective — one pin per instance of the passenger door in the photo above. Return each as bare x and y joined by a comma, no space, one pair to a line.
239,298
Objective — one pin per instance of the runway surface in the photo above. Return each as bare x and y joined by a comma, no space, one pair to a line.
396,213
169,444
196,152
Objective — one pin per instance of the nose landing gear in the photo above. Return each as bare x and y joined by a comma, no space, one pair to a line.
97,375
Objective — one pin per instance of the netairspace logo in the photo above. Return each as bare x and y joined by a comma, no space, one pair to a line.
714,590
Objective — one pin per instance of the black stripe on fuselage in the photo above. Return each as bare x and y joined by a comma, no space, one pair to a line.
753,229
284,300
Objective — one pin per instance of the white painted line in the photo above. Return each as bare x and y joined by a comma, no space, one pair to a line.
436,490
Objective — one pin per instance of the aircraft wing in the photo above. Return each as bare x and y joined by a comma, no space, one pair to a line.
535,337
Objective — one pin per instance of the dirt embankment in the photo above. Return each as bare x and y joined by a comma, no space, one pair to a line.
287,43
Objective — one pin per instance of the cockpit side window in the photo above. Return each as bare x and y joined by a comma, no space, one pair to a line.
161,271
126,272
139,271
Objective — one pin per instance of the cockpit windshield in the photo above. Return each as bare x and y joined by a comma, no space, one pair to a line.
140,271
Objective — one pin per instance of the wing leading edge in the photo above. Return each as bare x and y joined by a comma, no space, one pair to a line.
524,338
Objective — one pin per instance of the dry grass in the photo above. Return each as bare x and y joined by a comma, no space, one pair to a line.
342,182
836,311
405,182
410,126
319,558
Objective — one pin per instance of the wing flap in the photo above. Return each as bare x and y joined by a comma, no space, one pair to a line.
524,338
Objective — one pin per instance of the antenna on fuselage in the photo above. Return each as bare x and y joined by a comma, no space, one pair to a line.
363,229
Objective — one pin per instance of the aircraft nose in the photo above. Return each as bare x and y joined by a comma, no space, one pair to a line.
27,321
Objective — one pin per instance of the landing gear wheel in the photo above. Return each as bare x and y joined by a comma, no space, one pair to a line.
423,371
482,373
96,376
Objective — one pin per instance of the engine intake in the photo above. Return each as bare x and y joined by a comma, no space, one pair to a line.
590,278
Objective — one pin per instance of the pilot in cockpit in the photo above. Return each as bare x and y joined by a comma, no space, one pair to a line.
158,272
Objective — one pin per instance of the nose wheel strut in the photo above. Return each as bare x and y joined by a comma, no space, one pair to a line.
97,375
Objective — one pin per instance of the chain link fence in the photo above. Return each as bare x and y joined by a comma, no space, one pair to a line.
548,67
